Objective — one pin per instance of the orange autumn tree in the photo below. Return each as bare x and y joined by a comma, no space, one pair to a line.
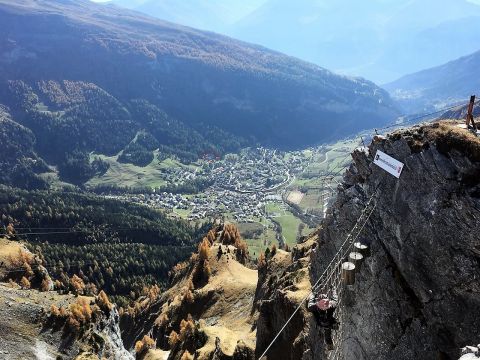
77,284
231,236
142,346
202,270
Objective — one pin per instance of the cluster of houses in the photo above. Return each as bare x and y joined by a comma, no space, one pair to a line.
242,207
243,183
178,175
164,200
258,170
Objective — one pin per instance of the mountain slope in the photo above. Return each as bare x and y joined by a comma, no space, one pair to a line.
452,82
32,329
380,40
19,164
96,75
211,310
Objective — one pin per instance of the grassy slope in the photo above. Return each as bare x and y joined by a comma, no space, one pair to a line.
129,175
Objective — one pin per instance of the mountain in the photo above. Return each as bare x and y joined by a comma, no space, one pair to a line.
215,285
76,324
449,83
380,40
85,77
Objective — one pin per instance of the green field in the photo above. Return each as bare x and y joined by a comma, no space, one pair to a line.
256,246
266,239
333,159
274,208
182,213
289,224
129,175
312,199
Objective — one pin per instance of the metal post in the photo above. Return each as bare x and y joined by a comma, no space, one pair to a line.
469,117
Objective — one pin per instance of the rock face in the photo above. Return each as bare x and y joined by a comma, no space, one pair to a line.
282,283
417,296
28,330
470,353
111,344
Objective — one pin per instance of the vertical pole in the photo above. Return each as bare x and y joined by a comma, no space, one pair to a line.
322,196
469,117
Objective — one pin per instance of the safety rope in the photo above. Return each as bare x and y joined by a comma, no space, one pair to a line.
337,337
333,270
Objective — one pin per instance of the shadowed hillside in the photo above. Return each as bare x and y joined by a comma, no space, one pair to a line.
88,77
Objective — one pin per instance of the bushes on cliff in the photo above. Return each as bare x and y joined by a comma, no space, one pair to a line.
103,302
27,271
25,283
187,340
186,356
77,317
77,285
142,346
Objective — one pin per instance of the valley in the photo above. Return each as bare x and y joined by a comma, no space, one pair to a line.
275,197
171,193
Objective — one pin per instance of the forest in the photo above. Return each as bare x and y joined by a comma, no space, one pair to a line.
117,246
63,123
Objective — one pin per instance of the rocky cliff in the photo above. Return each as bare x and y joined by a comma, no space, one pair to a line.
47,325
417,295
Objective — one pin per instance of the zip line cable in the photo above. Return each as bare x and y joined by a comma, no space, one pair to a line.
73,230
421,116
332,174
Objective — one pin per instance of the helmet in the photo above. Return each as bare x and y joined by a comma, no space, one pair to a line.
323,304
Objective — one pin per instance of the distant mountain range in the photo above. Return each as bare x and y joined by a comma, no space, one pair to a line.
212,15
447,84
85,77
378,39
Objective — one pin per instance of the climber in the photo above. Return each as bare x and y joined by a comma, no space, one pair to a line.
323,309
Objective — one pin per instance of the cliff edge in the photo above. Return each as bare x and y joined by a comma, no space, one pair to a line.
417,296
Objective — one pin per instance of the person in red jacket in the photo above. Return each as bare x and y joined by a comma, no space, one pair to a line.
323,308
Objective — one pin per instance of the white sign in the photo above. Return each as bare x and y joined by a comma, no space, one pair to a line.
388,163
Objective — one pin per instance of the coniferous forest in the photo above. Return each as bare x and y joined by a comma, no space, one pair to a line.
116,246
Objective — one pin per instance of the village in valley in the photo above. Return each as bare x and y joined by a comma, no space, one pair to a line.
275,197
